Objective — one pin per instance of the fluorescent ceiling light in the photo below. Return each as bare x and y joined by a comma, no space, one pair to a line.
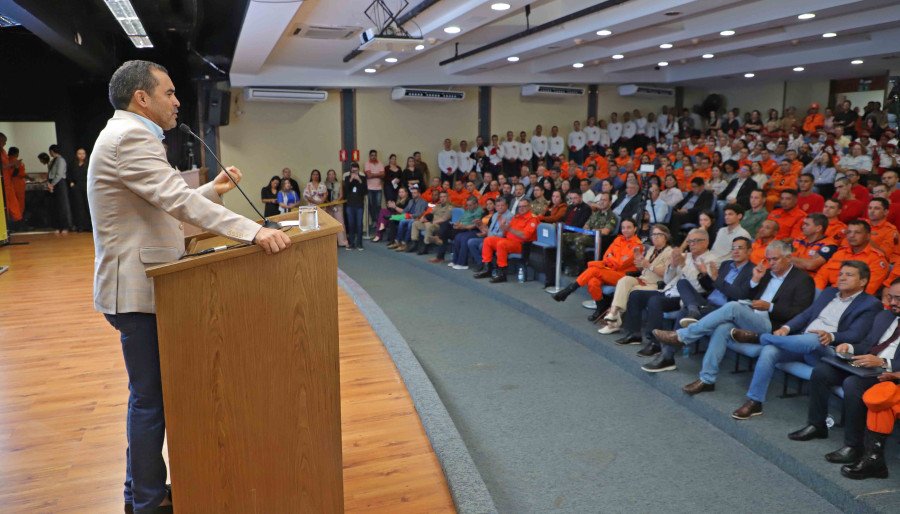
370,70
856,61
799,68
618,56
512,58
749,75
726,33
420,47
452,29
604,32
665,46
708,56
6,21
662,63
578,65
806,16
124,13
829,34
500,6
391,60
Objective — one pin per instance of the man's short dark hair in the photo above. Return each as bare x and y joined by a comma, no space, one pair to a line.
792,192
861,223
819,220
697,181
862,267
573,191
809,175
130,77
354,164
13,151
735,208
884,203
53,149
744,239
835,201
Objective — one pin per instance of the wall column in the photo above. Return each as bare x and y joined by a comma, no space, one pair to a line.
484,113
593,101
348,124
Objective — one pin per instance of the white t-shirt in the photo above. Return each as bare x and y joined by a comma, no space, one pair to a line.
577,139
557,145
615,131
539,145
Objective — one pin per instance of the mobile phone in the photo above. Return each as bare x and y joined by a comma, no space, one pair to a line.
845,356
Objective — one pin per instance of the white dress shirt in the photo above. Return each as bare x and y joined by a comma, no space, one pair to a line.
592,134
557,146
641,124
629,129
615,131
576,139
539,145
510,149
448,160
603,137
525,151
465,161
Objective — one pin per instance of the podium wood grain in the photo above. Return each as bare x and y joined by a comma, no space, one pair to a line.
63,398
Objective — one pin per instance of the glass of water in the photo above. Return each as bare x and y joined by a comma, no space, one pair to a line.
309,218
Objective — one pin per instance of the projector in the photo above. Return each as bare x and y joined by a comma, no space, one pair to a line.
387,43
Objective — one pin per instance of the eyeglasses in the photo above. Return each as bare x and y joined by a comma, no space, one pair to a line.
891,298
657,234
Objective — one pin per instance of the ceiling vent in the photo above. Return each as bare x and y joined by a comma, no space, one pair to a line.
324,32
646,91
430,95
545,90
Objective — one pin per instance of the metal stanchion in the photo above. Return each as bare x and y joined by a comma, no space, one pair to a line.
591,304
556,288
366,217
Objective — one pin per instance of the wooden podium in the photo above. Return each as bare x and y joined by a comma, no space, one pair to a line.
248,348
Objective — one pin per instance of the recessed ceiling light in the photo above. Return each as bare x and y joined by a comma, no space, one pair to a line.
578,65
662,63
665,46
806,16
726,33
500,6
829,34
749,75
618,56
604,32
856,61
391,60
799,68
420,47
512,58
369,70
708,56
452,29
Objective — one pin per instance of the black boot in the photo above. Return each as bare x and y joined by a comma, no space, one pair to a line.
872,464
485,271
562,294
413,247
424,249
500,276
602,306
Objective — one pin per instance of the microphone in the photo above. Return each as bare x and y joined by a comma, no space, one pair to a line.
266,223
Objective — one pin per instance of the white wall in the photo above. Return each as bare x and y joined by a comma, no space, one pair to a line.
763,95
31,138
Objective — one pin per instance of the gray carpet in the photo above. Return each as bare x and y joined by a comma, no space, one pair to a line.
554,425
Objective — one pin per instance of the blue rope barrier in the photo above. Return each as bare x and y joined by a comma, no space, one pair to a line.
580,230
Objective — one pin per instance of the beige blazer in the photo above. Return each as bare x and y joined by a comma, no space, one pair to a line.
137,203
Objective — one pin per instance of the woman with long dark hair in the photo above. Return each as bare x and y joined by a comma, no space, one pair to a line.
269,195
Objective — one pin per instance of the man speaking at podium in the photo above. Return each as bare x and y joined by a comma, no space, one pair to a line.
137,203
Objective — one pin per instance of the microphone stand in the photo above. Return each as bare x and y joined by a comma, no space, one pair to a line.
266,222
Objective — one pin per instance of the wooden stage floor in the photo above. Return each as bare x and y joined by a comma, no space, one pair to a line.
63,394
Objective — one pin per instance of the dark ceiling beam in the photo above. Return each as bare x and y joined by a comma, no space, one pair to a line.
57,26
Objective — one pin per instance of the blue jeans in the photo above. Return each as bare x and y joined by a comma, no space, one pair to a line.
145,471
461,247
404,231
775,349
717,326
374,205
353,216
474,247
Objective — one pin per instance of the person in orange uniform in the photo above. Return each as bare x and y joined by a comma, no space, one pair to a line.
789,216
492,193
623,160
814,120
764,235
9,189
704,169
814,249
600,164
885,236
522,228
783,178
431,194
883,403
859,249
617,261
836,228
767,163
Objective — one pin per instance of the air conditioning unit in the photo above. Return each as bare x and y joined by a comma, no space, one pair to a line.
432,95
545,90
324,31
368,40
268,94
646,91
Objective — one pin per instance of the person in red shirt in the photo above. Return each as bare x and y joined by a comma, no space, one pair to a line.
789,216
617,261
859,191
851,208
836,228
808,201
859,249
521,229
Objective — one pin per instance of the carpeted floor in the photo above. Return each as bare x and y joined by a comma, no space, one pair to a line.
553,425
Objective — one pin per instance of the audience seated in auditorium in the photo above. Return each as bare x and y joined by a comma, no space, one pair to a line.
858,247
518,231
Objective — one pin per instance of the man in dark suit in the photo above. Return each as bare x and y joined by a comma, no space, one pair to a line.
779,291
729,283
628,205
839,314
689,208
876,347
739,189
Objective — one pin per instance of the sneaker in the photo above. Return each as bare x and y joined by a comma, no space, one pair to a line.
360,248
349,247
451,264
659,364
460,266
686,322
610,328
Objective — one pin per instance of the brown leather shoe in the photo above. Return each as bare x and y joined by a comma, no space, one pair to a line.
435,260
698,386
744,336
667,337
749,409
